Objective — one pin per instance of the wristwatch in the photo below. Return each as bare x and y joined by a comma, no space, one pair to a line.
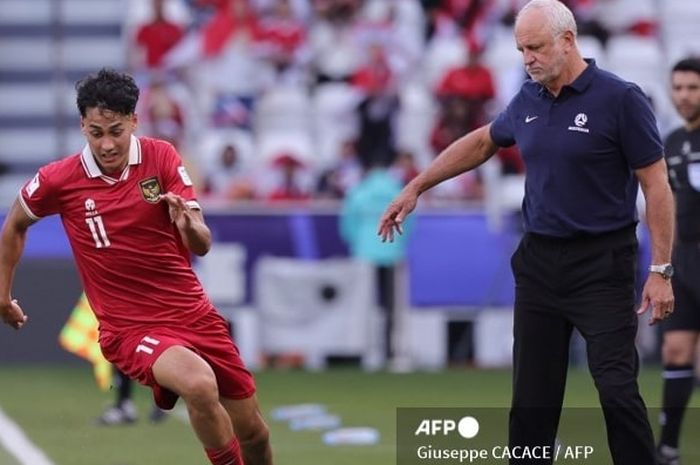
665,270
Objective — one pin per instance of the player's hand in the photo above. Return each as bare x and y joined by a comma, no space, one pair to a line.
13,315
657,295
396,212
177,209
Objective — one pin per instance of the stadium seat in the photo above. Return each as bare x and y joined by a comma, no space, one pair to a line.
20,99
638,59
679,20
272,144
334,119
16,12
14,146
591,47
38,122
46,144
416,118
618,15
79,53
213,142
26,53
442,54
678,48
99,12
506,65
283,109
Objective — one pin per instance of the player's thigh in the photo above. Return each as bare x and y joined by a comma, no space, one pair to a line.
182,371
212,339
679,346
247,420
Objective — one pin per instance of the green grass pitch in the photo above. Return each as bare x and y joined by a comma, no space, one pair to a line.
56,407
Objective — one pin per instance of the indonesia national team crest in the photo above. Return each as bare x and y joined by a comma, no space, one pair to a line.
150,189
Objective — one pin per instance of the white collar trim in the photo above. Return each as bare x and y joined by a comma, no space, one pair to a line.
92,169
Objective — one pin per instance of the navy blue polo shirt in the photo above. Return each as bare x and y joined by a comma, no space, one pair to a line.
580,150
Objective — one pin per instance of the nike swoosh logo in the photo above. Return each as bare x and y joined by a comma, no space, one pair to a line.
530,118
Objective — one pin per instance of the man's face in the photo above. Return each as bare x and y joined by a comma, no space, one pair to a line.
544,54
109,135
685,93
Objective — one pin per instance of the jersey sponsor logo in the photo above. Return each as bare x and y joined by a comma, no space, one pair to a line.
529,119
579,122
150,189
90,207
32,186
184,176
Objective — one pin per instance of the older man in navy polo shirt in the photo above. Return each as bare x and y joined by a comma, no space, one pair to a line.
588,139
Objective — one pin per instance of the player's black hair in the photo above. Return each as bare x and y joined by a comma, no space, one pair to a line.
688,64
108,90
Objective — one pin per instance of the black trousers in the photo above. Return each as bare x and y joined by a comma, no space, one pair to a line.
587,283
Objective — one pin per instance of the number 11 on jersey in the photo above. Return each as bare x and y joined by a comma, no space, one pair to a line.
97,228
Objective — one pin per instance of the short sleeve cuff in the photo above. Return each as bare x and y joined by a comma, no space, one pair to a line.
25,207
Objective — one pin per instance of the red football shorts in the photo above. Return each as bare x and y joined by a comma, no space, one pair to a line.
134,352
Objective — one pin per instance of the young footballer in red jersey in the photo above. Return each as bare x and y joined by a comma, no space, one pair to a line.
132,219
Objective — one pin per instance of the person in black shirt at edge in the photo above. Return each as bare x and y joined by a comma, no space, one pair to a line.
588,139
680,333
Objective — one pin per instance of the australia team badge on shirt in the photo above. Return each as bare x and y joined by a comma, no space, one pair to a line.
150,189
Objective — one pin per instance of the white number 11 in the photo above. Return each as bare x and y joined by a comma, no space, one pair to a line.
97,228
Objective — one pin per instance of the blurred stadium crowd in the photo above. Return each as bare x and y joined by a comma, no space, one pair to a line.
290,100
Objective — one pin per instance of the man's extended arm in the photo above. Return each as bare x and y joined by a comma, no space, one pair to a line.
12,239
660,220
464,154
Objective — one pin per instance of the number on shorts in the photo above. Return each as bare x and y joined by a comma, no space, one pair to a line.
146,344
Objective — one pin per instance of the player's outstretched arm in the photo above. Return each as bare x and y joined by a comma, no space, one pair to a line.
12,239
190,222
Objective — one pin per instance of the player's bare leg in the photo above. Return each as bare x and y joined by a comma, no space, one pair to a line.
250,429
188,375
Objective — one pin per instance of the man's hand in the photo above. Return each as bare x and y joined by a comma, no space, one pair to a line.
190,224
395,213
177,209
13,315
657,294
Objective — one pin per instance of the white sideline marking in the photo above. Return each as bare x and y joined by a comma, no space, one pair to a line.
13,439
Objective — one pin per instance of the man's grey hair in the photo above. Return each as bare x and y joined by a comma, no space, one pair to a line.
559,18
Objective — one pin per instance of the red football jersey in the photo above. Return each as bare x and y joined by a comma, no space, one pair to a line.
134,267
